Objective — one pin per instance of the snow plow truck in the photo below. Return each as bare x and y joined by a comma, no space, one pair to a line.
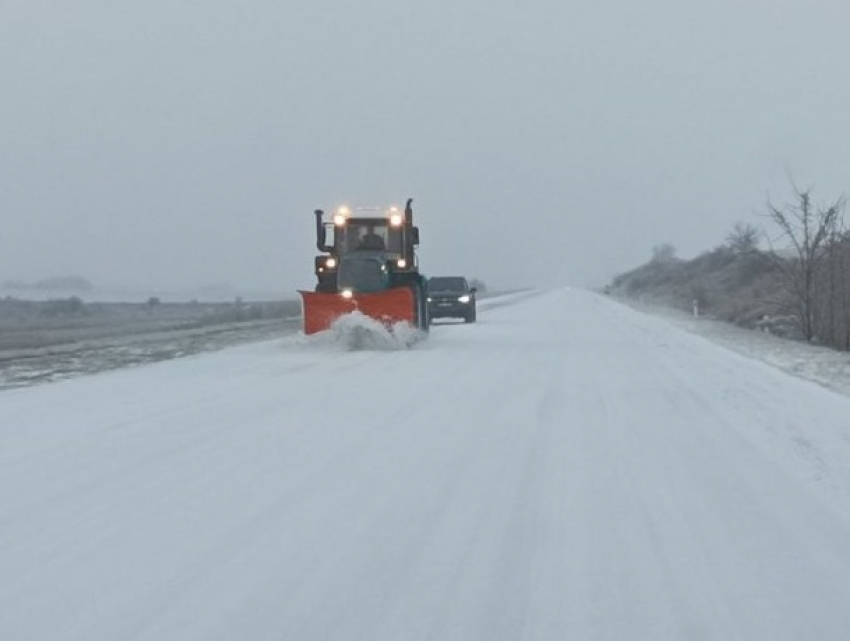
368,264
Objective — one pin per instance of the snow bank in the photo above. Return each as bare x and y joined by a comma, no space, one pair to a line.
821,365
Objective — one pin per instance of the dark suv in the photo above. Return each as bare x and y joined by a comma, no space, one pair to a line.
451,297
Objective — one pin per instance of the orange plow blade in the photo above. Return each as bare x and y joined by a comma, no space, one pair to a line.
392,306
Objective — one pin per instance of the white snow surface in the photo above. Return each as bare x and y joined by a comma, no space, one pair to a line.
828,367
567,468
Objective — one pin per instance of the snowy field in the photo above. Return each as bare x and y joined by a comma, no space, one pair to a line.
40,342
22,368
567,468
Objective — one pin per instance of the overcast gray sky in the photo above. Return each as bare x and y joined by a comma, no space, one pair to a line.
175,144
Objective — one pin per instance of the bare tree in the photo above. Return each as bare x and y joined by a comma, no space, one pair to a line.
743,239
832,294
809,229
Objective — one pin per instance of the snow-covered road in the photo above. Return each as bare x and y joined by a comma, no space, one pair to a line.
568,468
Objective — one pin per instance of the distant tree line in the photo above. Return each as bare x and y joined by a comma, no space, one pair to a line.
58,283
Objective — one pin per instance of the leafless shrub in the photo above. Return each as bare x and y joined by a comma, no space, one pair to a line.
743,238
809,229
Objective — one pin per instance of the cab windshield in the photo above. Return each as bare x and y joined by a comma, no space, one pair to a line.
369,235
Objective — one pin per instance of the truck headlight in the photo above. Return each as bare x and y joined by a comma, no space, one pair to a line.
330,263
463,299
346,293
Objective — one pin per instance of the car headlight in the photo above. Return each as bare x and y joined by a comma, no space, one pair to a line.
463,299
347,293
429,299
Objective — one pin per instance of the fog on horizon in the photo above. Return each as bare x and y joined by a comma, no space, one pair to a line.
177,145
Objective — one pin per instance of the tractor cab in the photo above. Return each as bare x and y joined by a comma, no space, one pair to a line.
365,248
368,263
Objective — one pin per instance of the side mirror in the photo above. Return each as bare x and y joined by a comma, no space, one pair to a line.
414,235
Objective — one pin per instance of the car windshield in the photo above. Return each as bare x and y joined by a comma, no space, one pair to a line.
447,284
